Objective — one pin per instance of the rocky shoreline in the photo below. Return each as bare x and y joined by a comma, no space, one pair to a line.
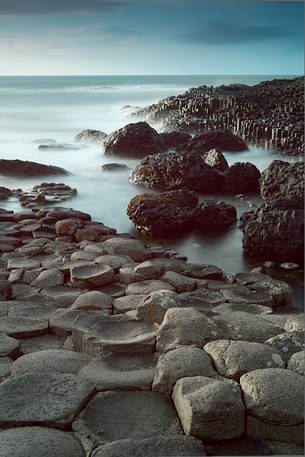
111,347
269,114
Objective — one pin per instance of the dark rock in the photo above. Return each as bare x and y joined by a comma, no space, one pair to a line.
26,168
173,139
114,167
214,215
90,136
224,141
5,193
216,159
164,214
134,140
241,178
5,290
176,170
283,180
276,231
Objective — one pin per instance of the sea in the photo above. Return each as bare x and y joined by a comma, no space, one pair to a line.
34,109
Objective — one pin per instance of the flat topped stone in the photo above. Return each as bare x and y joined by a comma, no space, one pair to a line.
41,343
154,306
113,261
112,416
209,409
173,446
63,295
250,308
63,321
37,442
274,399
22,263
118,334
113,371
9,347
23,327
93,300
134,249
239,325
127,303
49,278
232,359
50,361
146,287
179,363
185,326
48,399
91,275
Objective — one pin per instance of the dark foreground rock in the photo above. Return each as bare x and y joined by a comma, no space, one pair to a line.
211,215
26,168
241,178
283,180
171,140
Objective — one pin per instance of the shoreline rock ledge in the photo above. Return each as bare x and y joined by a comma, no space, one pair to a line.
110,347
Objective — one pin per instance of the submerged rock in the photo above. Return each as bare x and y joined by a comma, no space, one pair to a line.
114,167
26,168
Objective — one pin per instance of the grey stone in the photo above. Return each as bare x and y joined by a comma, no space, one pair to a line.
287,343
127,303
274,400
49,278
296,362
63,321
37,442
258,310
113,261
113,371
125,247
180,363
22,263
154,306
23,327
9,347
112,416
5,367
41,343
209,409
149,269
91,275
62,295
244,326
185,326
171,446
50,361
49,399
232,359
93,300
146,287
179,282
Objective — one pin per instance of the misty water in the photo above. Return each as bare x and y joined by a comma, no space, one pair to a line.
33,108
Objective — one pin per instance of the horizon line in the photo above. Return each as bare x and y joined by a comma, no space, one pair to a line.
159,74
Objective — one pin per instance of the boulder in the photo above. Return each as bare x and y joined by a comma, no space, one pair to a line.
9,347
177,170
276,231
274,400
93,300
185,326
42,399
171,140
174,446
134,140
209,409
283,180
89,136
180,282
216,159
232,359
224,141
179,363
152,307
241,178
127,303
49,278
296,362
67,227
287,343
25,168
112,416
166,214
211,215
38,441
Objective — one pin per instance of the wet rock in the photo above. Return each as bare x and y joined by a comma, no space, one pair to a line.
224,141
91,275
93,300
241,178
152,447
275,410
296,362
232,359
50,361
114,167
26,168
164,214
115,371
42,399
276,231
150,414
171,140
247,327
203,402
152,307
178,170
90,136
5,193
283,180
212,215
134,140
216,159
185,326
287,343
180,363
38,441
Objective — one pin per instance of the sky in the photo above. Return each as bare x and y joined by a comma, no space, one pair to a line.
152,37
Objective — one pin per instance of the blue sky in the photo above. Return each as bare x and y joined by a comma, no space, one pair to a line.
151,37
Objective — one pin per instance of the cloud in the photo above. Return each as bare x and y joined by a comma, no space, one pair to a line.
226,34
30,7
